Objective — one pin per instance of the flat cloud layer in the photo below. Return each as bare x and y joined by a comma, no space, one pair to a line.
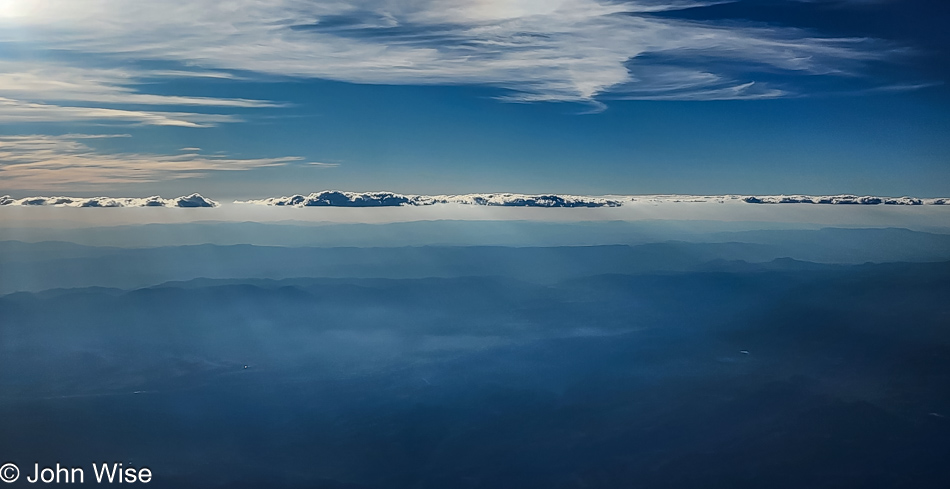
845,199
193,200
335,198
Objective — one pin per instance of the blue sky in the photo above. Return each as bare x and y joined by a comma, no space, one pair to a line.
250,99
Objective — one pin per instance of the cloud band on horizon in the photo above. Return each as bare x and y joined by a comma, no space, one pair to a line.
335,198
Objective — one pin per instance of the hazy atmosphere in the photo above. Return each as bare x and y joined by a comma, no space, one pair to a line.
385,244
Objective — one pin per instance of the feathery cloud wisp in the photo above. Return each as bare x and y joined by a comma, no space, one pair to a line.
66,162
18,111
56,81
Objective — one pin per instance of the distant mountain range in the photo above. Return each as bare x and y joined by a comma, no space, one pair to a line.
44,265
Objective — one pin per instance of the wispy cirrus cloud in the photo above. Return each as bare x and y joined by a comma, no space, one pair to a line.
538,50
67,162
51,91
57,81
18,111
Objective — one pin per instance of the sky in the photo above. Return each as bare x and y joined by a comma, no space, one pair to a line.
255,99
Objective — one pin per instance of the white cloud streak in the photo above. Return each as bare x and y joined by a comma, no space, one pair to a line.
17,111
53,81
44,91
66,162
